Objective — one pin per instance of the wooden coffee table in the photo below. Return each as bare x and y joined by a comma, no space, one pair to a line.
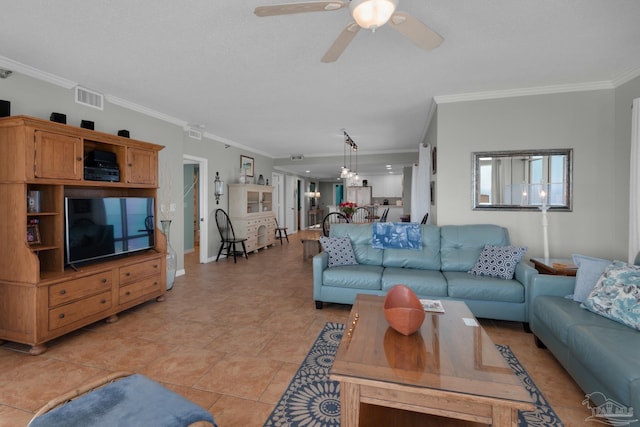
448,368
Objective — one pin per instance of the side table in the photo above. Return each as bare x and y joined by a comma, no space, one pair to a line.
310,243
555,266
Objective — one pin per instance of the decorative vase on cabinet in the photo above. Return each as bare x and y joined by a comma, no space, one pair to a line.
172,257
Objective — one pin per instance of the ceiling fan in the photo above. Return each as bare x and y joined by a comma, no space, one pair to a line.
368,14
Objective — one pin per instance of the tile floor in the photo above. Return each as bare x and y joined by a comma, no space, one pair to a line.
229,337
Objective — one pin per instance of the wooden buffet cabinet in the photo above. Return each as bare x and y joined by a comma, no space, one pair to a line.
41,297
251,213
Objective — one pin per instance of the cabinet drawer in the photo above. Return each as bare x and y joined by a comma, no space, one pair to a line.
251,245
136,290
75,289
135,272
67,314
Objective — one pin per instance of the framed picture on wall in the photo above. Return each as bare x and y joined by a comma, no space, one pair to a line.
33,234
246,165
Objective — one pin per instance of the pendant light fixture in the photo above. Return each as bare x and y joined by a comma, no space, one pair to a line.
348,172
344,172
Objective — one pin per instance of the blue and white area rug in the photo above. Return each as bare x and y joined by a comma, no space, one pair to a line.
312,400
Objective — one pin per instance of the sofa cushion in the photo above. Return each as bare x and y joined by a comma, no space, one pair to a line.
360,235
339,249
617,294
396,235
465,286
353,276
609,353
460,245
559,314
425,283
498,261
427,258
589,271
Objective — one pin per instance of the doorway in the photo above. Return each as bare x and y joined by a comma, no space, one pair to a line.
338,193
196,205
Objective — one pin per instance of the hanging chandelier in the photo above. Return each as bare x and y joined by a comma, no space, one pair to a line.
348,172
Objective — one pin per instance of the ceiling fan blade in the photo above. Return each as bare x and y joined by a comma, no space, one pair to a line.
415,30
341,43
290,8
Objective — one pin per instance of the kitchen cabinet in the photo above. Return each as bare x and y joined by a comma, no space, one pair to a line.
360,195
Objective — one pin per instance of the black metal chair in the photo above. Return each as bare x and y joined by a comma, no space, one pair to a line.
280,230
228,239
383,217
332,218
424,218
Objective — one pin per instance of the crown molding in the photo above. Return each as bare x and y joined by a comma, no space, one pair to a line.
146,111
35,73
227,141
626,76
510,93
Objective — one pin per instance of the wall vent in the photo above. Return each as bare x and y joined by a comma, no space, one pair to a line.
195,134
89,98
297,157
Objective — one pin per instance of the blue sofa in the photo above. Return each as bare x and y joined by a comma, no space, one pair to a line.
437,271
600,354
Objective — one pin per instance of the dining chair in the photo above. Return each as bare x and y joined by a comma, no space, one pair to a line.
332,218
361,215
228,239
383,217
280,230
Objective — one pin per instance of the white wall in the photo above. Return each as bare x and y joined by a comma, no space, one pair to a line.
583,121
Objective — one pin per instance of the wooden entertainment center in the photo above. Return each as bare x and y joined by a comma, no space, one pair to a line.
42,298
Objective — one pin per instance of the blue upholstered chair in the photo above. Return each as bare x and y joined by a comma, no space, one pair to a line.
121,399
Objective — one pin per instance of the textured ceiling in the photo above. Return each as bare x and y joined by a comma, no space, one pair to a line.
259,83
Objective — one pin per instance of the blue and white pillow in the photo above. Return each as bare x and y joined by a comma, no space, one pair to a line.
339,249
498,261
396,235
616,296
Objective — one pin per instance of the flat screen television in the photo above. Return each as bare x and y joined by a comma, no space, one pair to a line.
101,227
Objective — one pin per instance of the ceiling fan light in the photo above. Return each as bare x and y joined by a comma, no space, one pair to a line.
372,14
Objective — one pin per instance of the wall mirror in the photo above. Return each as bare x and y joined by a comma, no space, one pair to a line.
522,180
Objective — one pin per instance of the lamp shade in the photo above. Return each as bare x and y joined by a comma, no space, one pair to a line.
372,14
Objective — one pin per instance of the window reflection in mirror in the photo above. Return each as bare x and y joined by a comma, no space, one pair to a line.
523,180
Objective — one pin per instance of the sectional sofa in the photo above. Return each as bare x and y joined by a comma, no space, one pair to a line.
438,270
599,353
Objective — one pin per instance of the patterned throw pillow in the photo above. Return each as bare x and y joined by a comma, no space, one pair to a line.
339,249
617,294
498,261
396,235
